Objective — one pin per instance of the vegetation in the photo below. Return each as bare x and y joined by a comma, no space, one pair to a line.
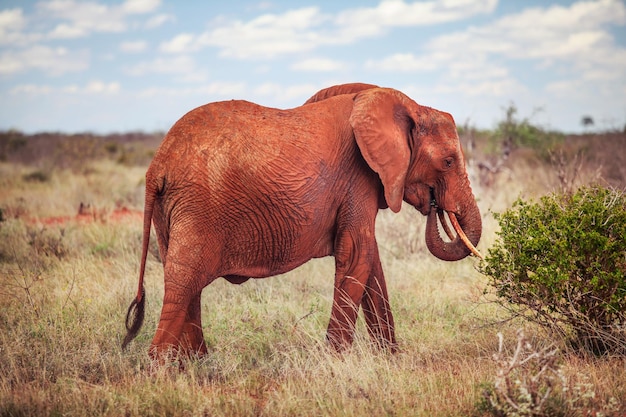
561,262
514,133
59,151
66,279
532,382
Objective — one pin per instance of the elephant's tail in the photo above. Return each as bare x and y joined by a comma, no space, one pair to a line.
136,310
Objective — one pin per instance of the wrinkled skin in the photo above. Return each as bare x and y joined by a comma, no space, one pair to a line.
241,191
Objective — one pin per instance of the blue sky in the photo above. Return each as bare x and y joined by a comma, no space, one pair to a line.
114,66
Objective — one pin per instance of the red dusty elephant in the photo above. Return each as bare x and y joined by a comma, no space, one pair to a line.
240,191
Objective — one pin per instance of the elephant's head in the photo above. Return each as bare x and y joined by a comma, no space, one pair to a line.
416,152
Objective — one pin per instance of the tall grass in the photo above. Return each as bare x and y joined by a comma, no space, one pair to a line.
65,288
267,356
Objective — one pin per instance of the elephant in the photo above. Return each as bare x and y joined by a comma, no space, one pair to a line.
239,191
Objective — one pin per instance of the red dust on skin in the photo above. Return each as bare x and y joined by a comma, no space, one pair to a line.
87,214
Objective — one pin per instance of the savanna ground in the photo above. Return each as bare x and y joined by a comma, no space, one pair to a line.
67,278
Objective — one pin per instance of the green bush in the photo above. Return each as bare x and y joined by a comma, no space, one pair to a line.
561,262
514,133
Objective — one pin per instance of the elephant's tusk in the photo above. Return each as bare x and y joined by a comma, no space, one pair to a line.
444,224
459,231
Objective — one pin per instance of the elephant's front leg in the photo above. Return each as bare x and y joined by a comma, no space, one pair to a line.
346,301
352,272
377,310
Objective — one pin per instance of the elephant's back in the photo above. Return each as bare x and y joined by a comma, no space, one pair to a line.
229,131
209,122
219,142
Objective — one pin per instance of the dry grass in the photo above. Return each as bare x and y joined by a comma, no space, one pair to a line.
64,291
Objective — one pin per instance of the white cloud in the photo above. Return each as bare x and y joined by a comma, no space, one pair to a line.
354,24
181,66
475,61
503,87
65,31
556,31
183,42
318,65
80,18
10,64
31,89
216,89
95,87
99,87
304,29
471,76
575,38
265,36
370,21
268,89
279,93
404,62
564,87
11,19
159,20
55,61
133,47
12,24
605,64
262,5
476,68
72,19
223,89
579,16
140,6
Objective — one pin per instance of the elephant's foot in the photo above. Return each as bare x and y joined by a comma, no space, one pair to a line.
380,326
341,340
339,337
385,344
174,357
193,346
164,358
170,350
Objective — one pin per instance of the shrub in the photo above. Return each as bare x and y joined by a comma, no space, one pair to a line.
514,133
561,262
47,243
10,141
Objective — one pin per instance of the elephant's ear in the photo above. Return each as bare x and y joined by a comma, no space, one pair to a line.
380,121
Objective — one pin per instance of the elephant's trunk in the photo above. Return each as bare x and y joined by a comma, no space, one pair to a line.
468,229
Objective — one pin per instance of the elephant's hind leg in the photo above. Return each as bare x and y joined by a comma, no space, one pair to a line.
180,329
192,339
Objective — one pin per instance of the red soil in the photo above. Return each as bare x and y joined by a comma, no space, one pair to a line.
87,214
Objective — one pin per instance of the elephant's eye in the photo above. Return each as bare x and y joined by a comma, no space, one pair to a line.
447,163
